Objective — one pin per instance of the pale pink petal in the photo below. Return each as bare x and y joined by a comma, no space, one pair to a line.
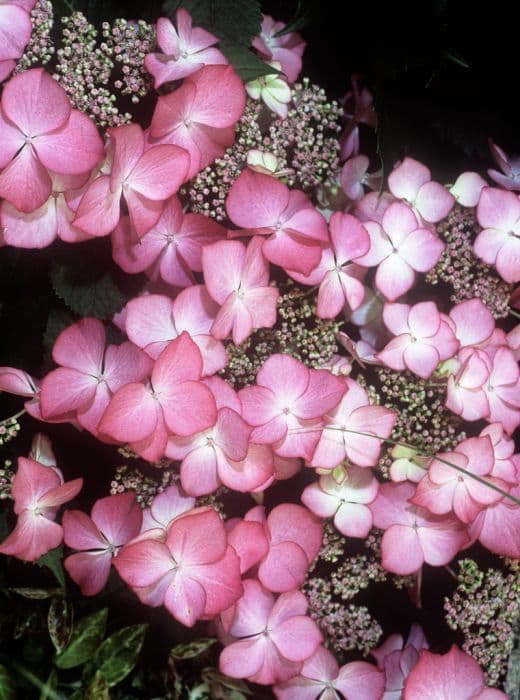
256,200
434,202
402,552
24,182
394,277
407,178
99,209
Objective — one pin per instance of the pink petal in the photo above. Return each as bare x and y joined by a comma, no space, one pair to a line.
131,415
185,600
32,537
405,181
74,148
179,362
421,359
394,277
353,520
99,209
498,209
144,563
31,481
160,172
436,677
24,182
81,346
402,552
65,391
434,202
256,200
35,102
284,568
297,638
118,517
188,538
421,249
80,532
220,96
199,472
90,570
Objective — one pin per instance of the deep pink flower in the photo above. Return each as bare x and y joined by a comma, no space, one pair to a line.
321,677
497,527
193,575
287,404
423,338
52,220
265,206
237,278
89,375
400,247
509,178
144,177
345,430
286,49
200,115
498,213
222,453
114,521
38,491
337,274
15,32
171,250
346,500
445,489
184,50
152,321
449,676
270,640
283,545
397,658
413,535
175,401
39,131
411,181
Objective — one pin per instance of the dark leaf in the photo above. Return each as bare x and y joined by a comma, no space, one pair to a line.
86,638
235,20
36,593
118,654
192,649
57,321
90,283
60,621
52,560
48,691
6,685
300,19
98,689
246,63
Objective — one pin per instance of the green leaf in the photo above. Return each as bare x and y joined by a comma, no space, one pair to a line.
36,593
52,560
60,622
192,649
235,20
98,689
90,283
118,654
247,64
57,321
7,691
86,638
48,691
300,19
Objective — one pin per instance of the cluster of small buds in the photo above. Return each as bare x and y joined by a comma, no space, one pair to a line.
485,609
298,332
214,500
128,42
84,69
311,133
332,546
355,574
346,627
422,419
458,267
305,145
9,429
6,478
145,487
40,48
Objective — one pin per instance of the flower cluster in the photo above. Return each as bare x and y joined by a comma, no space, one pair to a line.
260,236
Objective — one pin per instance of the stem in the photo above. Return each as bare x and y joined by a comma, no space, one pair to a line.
514,313
13,418
505,494
37,682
